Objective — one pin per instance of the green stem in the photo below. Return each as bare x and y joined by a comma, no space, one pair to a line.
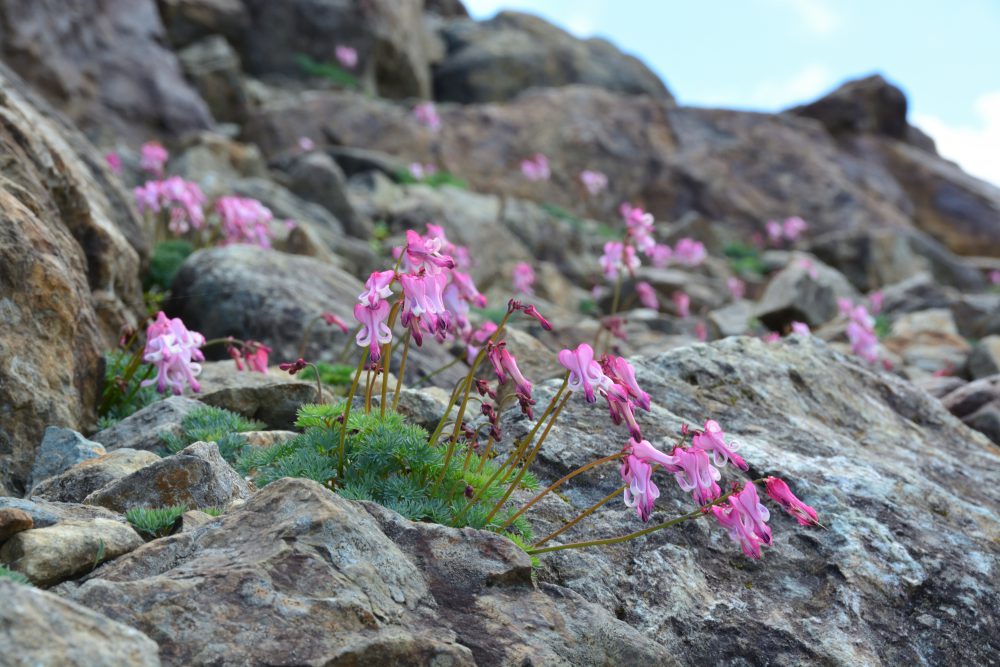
402,369
347,411
485,455
557,484
444,418
387,356
514,458
590,510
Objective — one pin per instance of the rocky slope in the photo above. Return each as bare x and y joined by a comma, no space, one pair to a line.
899,457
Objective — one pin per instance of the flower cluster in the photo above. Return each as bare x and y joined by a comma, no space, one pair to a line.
737,288
173,351
789,230
623,256
346,56
426,114
183,200
536,168
421,171
595,182
524,278
244,220
860,330
153,158
253,355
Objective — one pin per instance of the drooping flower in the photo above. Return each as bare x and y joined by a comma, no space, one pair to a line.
424,297
524,278
377,288
876,300
477,338
639,226
374,331
618,257
700,331
645,451
421,171
620,407
695,473
793,228
690,252
660,254
426,114
256,354
744,517
183,200
778,490
774,231
153,158
529,310
594,181
335,321
174,351
801,328
621,372
346,56
737,288
114,162
640,491
683,304
536,168
306,144
426,252
584,372
647,295
504,363
244,220
712,439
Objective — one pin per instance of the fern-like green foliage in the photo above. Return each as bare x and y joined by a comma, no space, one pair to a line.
438,179
13,575
327,71
165,263
387,461
133,396
744,259
216,425
154,522
333,375
213,511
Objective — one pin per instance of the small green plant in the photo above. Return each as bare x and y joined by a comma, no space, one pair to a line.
210,424
389,462
882,326
436,179
168,256
744,259
334,375
156,522
123,391
213,511
328,71
13,575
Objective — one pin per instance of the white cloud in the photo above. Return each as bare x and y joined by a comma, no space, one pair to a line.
817,16
976,149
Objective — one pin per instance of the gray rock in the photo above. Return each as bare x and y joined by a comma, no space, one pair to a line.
196,476
44,513
145,429
213,66
315,177
384,590
75,484
870,104
13,521
70,548
732,320
794,294
61,449
927,341
984,360
40,629
939,386
977,315
906,492
977,404
286,205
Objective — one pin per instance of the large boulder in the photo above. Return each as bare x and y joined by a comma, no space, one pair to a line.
907,495
40,628
75,484
496,60
70,251
104,63
870,104
375,589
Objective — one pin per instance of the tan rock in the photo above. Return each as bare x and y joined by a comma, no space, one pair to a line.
13,521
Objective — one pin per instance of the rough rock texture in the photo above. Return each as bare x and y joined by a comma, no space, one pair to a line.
299,574
904,572
496,60
214,68
70,250
40,629
870,104
44,513
187,21
49,555
977,404
389,36
196,476
806,291
13,521
61,449
102,62
145,428
75,484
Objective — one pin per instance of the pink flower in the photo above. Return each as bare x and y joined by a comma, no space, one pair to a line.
426,114
256,356
114,162
778,490
173,350
774,231
524,278
700,331
712,439
660,254
995,277
530,311
640,491
801,328
244,220
183,199
744,517
771,337
333,320
810,267
306,144
861,331
618,257
793,228
536,168
694,473
645,452
640,227
584,372
690,252
374,331
153,158
594,181
683,304
845,306
422,171
424,297
647,295
737,288
621,372
377,288
426,252
876,300
620,407
504,363
346,56
479,336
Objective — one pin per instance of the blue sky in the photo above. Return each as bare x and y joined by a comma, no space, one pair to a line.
770,54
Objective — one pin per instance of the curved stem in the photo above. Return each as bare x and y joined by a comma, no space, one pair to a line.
347,411
557,484
590,510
